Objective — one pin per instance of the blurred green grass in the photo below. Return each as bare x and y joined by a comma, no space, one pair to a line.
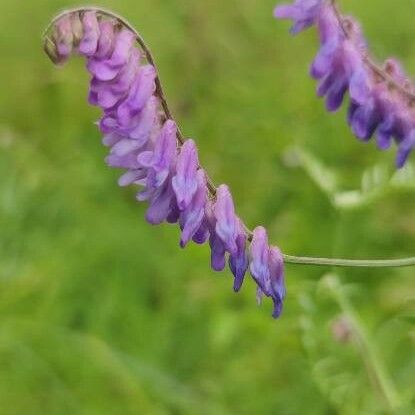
102,314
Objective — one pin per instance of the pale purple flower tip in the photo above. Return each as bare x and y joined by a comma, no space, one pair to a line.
145,144
217,257
364,120
226,221
89,42
185,181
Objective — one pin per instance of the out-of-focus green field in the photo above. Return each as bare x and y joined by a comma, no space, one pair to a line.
100,313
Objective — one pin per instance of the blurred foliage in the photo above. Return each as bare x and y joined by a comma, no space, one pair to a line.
102,314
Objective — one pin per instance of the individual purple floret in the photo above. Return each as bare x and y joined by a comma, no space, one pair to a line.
238,261
267,268
381,99
144,142
277,284
191,218
303,13
226,221
185,181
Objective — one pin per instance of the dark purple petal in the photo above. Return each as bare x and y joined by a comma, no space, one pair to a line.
132,176
335,94
365,120
303,13
217,248
385,132
405,149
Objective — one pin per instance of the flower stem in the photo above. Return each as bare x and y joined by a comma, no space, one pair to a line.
377,372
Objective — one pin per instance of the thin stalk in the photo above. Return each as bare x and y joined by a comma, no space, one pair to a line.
291,259
377,373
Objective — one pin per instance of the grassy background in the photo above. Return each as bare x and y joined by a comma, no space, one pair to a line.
102,314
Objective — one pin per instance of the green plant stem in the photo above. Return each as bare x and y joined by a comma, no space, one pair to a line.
377,373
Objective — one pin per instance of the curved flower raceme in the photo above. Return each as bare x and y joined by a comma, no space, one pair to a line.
145,142
381,98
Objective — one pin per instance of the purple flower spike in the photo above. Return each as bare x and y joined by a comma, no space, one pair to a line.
145,143
226,220
108,69
276,269
185,181
303,13
381,98
192,217
365,120
259,256
89,42
238,262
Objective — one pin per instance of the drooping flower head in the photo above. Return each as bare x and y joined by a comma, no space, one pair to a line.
145,142
381,98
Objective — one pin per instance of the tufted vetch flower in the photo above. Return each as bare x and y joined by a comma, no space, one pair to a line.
146,143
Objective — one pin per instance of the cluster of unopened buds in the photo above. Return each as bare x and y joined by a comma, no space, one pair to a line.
382,98
144,140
